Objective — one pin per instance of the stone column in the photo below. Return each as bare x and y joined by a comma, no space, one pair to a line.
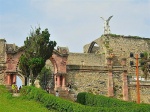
8,79
125,86
58,81
63,81
55,82
14,78
110,84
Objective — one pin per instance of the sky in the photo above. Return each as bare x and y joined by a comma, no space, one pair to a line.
73,23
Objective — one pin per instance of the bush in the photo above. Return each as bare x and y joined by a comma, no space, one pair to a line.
92,103
114,105
81,98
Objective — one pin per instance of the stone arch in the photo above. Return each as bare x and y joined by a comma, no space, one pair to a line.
91,47
55,70
19,74
58,61
53,61
11,71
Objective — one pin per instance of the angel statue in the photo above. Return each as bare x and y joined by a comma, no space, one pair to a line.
106,25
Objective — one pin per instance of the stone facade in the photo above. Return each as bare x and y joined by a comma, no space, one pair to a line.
9,69
103,67
2,60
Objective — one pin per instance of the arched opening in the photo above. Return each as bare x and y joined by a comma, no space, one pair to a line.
94,48
59,70
19,82
20,77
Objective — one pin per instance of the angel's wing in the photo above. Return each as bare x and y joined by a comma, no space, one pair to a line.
103,18
109,18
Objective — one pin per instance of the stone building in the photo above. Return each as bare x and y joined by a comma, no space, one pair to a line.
9,54
103,67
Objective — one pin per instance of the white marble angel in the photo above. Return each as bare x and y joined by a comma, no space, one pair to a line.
106,25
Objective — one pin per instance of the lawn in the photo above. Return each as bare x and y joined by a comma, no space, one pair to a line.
17,104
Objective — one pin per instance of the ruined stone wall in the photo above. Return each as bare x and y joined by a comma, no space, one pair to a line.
144,94
144,90
2,51
2,60
117,83
88,59
1,78
93,82
122,46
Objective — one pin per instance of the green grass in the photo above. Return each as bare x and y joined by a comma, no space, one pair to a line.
34,99
17,104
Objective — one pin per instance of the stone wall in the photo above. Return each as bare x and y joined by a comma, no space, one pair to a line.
123,46
93,81
117,85
1,78
87,59
2,50
144,94
2,60
96,81
144,90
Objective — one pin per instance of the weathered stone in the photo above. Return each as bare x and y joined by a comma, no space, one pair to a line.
89,71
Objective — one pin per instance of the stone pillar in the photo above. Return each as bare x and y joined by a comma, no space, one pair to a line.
14,78
8,79
55,82
125,86
63,81
58,81
110,84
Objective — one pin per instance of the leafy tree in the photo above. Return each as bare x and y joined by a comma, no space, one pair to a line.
24,67
45,77
37,49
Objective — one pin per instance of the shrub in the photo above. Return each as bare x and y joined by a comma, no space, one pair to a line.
81,98
92,103
111,103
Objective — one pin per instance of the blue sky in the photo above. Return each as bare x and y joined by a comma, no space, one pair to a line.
73,23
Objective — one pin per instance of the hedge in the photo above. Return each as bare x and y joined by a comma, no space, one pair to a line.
90,102
112,103
52,102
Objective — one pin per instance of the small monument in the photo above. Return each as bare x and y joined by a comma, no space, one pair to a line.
106,25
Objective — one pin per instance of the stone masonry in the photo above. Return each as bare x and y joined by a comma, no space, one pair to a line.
103,67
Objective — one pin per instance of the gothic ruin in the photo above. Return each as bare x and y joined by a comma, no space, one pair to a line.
103,67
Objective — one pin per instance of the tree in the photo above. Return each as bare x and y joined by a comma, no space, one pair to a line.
37,49
24,67
45,77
